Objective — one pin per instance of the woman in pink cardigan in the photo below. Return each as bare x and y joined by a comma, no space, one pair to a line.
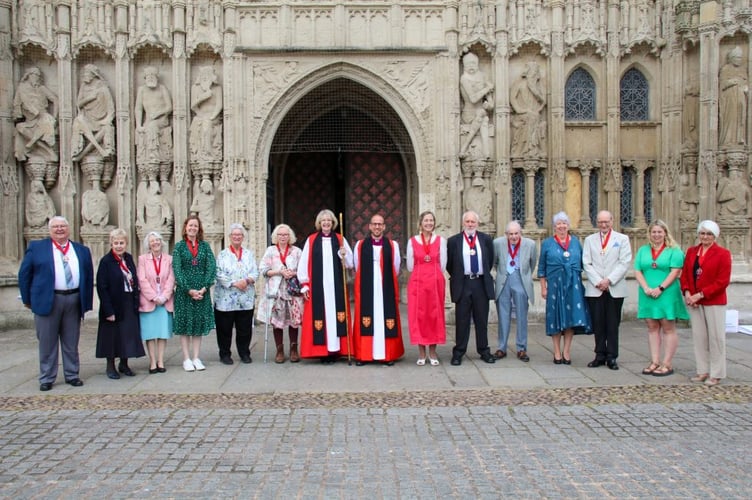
157,283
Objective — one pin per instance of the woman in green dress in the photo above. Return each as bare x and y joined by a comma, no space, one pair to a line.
657,268
195,271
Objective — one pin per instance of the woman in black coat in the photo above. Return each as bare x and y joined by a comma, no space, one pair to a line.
119,335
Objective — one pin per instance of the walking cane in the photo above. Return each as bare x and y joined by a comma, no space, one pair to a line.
266,328
344,290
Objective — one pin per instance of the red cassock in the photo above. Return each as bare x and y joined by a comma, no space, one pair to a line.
377,331
320,331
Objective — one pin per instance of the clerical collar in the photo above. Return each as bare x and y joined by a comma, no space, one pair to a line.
377,243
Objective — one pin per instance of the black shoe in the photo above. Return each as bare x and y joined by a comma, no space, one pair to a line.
125,370
388,363
611,363
360,363
113,374
45,386
161,369
596,363
488,358
557,361
245,358
152,371
75,382
456,361
226,360
566,361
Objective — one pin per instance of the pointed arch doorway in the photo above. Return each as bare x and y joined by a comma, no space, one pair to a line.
341,147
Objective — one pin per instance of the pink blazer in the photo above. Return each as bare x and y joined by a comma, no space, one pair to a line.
147,281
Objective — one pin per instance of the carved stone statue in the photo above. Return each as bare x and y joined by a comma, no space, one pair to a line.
528,99
35,135
691,114
478,101
92,127
478,198
689,196
203,204
732,104
152,209
39,206
206,127
152,113
733,195
95,209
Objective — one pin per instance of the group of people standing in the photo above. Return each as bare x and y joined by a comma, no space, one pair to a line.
305,292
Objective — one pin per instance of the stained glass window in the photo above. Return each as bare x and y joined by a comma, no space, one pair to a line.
593,208
626,197
518,195
540,193
634,96
579,96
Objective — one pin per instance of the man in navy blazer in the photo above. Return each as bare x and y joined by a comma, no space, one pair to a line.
56,280
470,256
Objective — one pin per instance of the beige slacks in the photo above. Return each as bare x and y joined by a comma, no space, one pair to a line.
709,338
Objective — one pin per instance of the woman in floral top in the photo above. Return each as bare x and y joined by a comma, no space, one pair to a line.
195,271
282,310
234,296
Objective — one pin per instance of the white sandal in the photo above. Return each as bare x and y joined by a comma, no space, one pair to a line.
434,361
421,361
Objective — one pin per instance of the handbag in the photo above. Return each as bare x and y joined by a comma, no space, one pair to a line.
293,287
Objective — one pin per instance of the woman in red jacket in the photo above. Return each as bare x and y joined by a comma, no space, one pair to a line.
704,279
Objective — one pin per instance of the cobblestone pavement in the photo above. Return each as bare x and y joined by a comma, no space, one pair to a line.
527,430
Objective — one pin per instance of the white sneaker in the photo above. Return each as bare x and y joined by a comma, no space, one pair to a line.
188,366
198,364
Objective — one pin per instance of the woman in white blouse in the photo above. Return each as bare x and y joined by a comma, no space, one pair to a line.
234,296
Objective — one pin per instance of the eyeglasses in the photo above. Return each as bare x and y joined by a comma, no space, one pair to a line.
705,233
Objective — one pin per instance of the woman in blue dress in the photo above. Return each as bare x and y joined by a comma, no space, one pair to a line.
560,273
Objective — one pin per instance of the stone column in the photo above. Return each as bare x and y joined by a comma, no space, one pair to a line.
122,95
708,134
557,80
585,168
11,240
613,102
531,168
68,178
502,112
180,119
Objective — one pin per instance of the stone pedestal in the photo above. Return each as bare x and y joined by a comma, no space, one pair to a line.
98,240
214,237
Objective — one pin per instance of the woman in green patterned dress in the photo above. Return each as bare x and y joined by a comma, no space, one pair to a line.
195,271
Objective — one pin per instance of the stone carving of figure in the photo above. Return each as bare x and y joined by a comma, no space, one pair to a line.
92,127
153,110
732,194
39,206
478,101
690,199
732,121
152,210
95,209
528,100
206,127
32,103
478,198
203,203
691,114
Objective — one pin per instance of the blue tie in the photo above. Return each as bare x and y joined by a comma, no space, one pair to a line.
474,268
68,274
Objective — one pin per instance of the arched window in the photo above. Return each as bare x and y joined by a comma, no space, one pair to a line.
579,97
634,96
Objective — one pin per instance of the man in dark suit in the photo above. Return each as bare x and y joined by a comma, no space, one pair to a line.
470,256
56,279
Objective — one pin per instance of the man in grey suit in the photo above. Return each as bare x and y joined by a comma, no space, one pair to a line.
606,256
515,258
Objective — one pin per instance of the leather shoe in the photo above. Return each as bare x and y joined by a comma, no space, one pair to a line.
488,358
113,374
75,382
611,363
126,370
152,371
500,354
456,361
245,359
596,363
161,369
522,356
566,361
226,360
45,386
